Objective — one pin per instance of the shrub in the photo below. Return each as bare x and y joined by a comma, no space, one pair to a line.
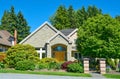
75,67
20,53
2,56
25,65
43,65
111,63
65,64
2,65
48,63
48,60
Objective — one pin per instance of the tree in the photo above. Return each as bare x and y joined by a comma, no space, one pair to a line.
117,18
20,53
71,17
81,16
23,29
10,21
59,19
99,37
93,11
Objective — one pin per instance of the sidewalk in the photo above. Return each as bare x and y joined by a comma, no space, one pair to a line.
97,75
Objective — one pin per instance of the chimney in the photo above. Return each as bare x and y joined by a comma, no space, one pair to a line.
15,37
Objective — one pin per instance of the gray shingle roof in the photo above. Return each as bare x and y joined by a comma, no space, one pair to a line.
66,32
5,38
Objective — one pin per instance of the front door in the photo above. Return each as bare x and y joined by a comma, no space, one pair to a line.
59,52
60,56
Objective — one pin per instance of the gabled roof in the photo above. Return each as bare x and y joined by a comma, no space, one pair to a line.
45,23
59,33
5,38
75,30
66,32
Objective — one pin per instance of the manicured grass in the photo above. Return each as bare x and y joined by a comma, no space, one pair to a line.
115,76
45,73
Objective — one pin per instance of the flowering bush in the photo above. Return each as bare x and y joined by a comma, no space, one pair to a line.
65,64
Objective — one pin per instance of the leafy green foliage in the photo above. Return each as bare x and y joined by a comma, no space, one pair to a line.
11,21
2,65
49,63
111,63
48,60
99,37
59,19
19,53
117,18
69,18
75,67
43,66
25,65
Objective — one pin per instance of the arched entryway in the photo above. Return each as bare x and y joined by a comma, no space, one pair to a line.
59,52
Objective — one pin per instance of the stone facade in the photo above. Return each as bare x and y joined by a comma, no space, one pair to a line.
46,36
40,37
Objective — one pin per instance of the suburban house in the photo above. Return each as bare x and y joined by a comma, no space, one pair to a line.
6,40
50,42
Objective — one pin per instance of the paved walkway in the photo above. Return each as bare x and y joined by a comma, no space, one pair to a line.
31,76
97,75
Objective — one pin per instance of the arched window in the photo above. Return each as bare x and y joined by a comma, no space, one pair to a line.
59,48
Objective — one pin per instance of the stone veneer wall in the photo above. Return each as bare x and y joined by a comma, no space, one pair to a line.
86,65
102,66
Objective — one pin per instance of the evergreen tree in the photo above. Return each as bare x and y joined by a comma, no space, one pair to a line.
117,18
5,21
59,19
93,11
71,17
23,29
81,16
10,21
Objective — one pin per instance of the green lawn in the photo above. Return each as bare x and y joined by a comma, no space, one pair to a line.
115,76
45,73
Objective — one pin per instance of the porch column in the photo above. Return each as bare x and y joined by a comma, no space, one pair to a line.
102,66
48,50
86,65
69,50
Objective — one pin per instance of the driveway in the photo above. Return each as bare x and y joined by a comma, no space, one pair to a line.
31,76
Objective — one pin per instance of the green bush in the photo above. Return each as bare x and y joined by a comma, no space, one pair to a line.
75,67
111,63
19,53
48,60
25,65
43,66
2,65
49,63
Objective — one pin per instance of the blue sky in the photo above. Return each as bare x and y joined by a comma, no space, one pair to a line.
37,12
